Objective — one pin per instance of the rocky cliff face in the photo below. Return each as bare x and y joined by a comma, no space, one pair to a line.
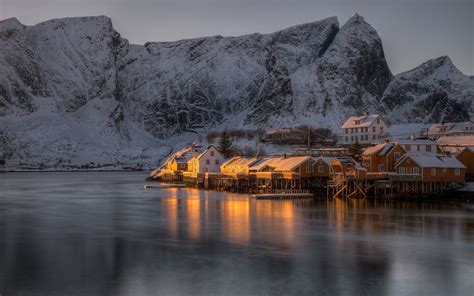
73,90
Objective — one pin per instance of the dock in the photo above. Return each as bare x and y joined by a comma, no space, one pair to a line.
285,194
164,186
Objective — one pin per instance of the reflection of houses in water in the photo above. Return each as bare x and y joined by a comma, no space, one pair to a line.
235,219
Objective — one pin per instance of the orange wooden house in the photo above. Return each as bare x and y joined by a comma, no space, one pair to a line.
432,168
382,157
466,157
323,166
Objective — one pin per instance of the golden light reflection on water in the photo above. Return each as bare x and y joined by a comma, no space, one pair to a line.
242,220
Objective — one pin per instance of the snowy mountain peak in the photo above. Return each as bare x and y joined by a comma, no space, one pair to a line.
10,23
72,89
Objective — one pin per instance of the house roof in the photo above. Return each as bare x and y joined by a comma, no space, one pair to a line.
290,163
451,127
416,142
465,140
365,121
262,163
184,155
432,161
327,160
241,161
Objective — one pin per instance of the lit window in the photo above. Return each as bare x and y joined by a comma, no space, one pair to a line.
433,172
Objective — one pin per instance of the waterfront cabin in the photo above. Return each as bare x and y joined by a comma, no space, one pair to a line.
466,157
300,165
323,167
209,161
382,157
367,129
342,165
238,165
431,168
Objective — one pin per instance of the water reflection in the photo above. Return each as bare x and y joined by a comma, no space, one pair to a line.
102,234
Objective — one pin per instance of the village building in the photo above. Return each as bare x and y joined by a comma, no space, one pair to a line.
418,146
209,161
382,157
284,136
455,141
431,168
466,157
323,166
367,129
238,165
450,129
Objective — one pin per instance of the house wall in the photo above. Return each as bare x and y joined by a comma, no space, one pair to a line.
316,172
212,167
420,148
302,169
466,157
349,135
447,175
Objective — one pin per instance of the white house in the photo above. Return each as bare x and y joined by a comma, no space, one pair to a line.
418,145
366,129
451,129
209,161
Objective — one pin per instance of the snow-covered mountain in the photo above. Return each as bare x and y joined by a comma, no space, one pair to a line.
73,90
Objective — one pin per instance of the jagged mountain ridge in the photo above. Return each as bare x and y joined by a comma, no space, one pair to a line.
73,69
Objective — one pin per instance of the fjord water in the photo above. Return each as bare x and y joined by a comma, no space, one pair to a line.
104,234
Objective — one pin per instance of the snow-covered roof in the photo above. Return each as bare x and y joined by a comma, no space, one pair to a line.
464,140
404,131
290,163
373,149
451,127
360,121
327,160
416,142
432,161
264,162
240,161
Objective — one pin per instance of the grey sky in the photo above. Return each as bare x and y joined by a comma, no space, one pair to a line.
412,31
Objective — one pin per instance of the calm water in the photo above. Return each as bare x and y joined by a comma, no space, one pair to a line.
103,234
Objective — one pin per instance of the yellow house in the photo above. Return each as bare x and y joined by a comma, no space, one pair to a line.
238,165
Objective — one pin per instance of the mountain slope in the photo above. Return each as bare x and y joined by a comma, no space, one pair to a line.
73,91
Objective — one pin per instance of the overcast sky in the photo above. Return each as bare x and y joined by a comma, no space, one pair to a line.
412,31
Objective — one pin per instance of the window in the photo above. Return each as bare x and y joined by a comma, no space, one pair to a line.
457,172
346,138
217,161
417,147
346,131
208,161
397,155
352,138
445,170
401,170
408,170
366,129
381,167
366,137
321,168
428,148
373,129
352,130
381,129
416,170
407,147
433,172
373,137
212,153
309,169
408,160
366,164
